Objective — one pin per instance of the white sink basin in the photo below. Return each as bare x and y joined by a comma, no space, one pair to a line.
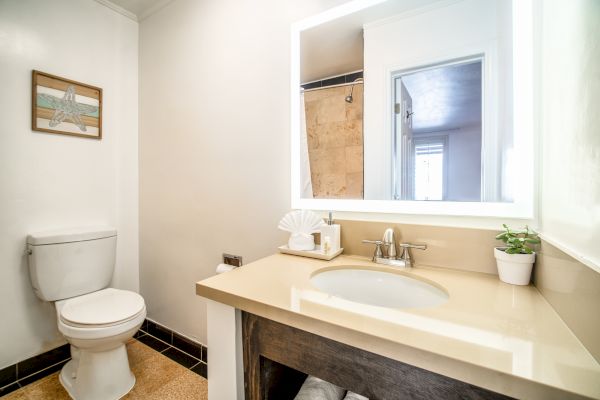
378,288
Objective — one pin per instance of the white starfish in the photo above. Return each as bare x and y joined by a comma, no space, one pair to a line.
68,108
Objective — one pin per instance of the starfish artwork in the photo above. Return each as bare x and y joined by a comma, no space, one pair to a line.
68,108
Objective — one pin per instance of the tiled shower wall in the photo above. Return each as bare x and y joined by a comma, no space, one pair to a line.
335,141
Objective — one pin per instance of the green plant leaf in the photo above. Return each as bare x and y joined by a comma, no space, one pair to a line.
517,240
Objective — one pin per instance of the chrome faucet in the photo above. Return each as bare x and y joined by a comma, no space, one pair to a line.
390,241
391,258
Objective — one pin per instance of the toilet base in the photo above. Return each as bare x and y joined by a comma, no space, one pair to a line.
101,375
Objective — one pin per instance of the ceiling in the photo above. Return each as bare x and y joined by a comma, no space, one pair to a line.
336,47
135,9
445,98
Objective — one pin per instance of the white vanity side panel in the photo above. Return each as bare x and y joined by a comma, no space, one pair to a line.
225,360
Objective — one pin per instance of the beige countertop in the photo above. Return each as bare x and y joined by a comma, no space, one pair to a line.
494,335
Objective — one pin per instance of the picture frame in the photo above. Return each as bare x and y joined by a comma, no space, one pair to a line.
66,107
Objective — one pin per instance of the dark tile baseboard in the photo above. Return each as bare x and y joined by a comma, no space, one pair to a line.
184,351
30,370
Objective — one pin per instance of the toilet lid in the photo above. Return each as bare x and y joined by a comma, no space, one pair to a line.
104,307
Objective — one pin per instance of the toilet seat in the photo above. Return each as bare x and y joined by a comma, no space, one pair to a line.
102,314
104,308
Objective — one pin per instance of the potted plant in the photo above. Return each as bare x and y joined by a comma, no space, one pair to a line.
515,260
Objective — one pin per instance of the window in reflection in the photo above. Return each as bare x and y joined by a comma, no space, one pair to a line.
430,171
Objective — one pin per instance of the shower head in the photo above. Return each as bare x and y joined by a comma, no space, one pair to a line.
349,98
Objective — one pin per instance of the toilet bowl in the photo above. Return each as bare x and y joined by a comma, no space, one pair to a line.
73,268
98,325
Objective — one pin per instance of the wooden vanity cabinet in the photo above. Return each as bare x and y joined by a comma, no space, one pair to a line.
278,357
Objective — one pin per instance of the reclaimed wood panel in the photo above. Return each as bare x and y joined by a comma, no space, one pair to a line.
369,374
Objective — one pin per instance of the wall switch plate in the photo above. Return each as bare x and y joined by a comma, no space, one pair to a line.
231,259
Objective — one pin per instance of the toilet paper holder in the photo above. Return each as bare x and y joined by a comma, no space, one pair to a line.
231,259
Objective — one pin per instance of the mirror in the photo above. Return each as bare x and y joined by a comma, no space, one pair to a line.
413,106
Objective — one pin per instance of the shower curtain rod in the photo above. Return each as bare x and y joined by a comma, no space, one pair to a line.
332,86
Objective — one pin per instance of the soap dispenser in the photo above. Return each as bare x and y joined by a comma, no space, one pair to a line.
331,230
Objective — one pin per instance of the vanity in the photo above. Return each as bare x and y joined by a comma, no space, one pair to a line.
269,326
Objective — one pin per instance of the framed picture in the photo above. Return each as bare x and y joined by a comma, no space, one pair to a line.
65,107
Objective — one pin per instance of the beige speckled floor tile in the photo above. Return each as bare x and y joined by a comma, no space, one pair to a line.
138,352
188,386
46,388
155,372
157,377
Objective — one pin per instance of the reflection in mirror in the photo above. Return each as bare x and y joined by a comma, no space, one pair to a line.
408,100
438,132
333,134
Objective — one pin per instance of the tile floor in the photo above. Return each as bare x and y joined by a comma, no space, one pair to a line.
158,377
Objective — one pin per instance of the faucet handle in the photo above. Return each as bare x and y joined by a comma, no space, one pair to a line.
406,252
413,246
378,252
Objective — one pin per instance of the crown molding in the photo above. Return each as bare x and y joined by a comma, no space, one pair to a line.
137,18
118,9
156,7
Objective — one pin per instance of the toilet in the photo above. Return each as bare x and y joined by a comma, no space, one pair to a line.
73,268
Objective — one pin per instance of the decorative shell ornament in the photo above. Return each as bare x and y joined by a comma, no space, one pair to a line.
301,224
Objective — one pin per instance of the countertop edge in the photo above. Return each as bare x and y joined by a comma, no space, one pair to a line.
497,381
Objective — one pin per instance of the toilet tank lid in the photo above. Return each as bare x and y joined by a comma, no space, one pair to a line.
69,235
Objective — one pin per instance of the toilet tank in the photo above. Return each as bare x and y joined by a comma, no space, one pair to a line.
71,262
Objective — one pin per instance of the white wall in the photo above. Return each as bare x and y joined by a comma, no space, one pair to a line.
214,144
569,101
413,39
52,181
464,162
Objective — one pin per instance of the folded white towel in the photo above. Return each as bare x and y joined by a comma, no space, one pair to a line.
353,396
318,389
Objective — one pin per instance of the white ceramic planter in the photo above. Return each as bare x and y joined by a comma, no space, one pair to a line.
514,268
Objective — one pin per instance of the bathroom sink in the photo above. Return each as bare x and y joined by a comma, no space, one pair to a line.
378,288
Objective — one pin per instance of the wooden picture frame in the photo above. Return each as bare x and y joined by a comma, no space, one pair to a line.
65,107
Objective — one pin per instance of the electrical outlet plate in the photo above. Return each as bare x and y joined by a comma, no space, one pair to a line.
231,259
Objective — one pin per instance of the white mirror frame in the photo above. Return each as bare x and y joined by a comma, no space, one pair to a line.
523,205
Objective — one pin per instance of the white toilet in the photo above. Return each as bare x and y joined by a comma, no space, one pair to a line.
73,268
